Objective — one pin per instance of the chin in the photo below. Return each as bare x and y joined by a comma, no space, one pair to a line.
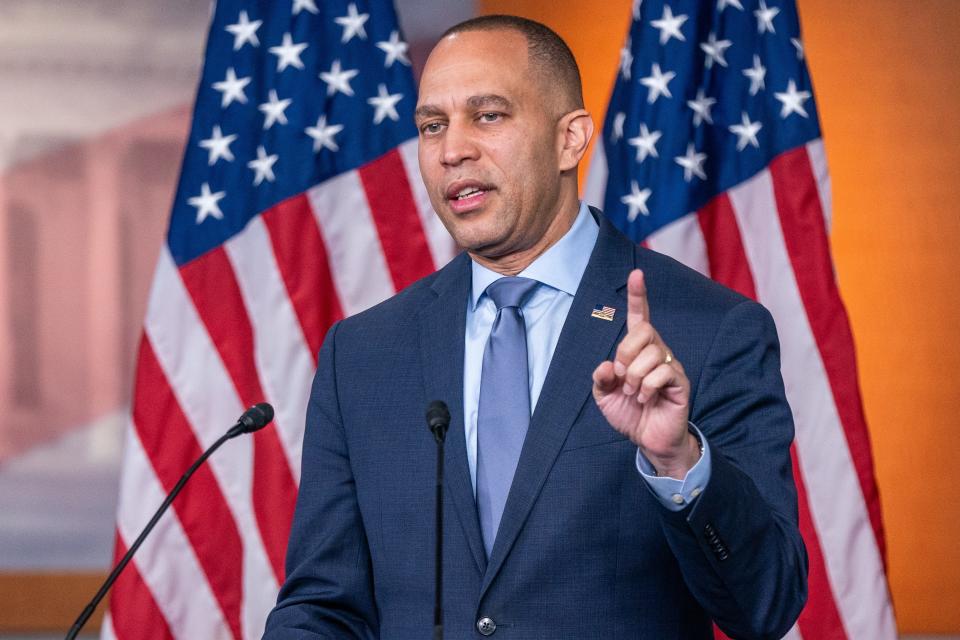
473,234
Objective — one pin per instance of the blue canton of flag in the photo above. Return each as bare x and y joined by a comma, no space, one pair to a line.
269,124
707,93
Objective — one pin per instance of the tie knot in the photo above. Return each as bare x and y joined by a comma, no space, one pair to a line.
510,291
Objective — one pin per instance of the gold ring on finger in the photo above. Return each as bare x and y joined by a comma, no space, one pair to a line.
667,359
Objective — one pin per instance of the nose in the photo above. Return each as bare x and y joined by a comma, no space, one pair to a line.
458,145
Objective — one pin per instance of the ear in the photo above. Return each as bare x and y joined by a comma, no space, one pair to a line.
574,132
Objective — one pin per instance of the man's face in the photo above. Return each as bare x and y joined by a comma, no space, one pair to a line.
489,142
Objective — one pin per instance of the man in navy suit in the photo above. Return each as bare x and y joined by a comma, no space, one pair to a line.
617,464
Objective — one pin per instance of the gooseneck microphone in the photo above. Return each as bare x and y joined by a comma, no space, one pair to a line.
438,420
253,419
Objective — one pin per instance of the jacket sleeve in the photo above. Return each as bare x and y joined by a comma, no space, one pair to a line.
738,544
328,592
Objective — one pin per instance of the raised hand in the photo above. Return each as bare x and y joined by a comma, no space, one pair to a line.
644,393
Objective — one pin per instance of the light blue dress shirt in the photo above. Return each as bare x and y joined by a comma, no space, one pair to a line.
559,270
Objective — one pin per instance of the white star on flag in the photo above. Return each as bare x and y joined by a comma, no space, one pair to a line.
692,163
304,5
723,4
765,16
232,88
626,60
218,146
792,100
385,104
263,166
646,143
273,110
395,48
669,25
656,83
756,73
636,200
338,79
701,108
206,203
244,31
288,53
352,24
715,49
618,121
746,132
798,44
323,134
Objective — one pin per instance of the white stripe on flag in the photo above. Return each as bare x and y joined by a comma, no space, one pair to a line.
349,234
793,634
210,403
682,240
166,560
281,353
442,246
106,628
818,162
836,502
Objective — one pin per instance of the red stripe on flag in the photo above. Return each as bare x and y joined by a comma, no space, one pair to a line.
398,223
801,217
725,253
171,446
820,617
302,258
730,267
213,286
131,597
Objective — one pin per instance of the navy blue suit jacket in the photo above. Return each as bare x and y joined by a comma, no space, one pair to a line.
584,550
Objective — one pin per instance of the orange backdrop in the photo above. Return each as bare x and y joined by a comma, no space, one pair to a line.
888,90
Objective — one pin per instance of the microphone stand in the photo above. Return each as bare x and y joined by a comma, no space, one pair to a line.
243,425
438,419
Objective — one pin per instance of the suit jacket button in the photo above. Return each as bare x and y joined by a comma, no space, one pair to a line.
486,626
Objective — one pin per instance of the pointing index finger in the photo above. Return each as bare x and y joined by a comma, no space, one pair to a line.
637,308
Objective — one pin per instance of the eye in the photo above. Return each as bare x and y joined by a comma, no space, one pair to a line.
490,116
431,128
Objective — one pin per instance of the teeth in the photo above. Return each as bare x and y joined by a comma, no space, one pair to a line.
466,192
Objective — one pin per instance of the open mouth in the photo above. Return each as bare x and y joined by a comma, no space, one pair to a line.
469,192
466,195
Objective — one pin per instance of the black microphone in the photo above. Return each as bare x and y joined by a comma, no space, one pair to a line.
438,420
253,419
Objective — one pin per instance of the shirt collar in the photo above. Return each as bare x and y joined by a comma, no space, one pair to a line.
560,267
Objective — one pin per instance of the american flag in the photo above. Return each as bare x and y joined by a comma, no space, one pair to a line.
299,202
711,153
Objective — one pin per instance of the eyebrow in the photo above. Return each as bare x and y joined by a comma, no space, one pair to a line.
473,102
488,100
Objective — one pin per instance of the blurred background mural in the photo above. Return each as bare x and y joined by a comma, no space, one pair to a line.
95,100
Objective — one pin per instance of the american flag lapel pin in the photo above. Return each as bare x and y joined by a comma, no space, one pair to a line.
603,312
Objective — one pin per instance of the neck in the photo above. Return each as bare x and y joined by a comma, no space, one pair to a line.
511,264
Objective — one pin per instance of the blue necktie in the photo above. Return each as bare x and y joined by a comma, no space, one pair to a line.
504,410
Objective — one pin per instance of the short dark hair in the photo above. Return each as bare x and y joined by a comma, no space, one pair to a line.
544,47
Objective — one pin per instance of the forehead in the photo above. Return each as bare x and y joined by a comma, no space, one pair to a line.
475,63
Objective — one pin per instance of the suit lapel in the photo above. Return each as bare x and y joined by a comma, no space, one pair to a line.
584,342
442,326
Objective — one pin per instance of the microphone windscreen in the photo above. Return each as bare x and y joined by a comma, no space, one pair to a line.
438,415
256,417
